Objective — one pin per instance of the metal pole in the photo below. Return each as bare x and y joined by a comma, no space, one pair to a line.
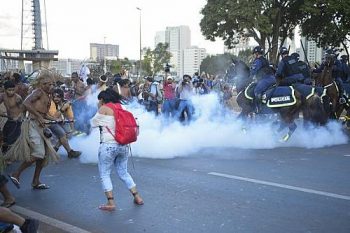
22,27
140,68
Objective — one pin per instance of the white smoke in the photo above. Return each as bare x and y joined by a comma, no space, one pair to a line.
212,129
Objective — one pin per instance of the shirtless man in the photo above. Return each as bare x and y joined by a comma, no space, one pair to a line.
79,104
11,131
37,104
14,109
78,86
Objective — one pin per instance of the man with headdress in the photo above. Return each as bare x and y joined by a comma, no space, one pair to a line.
34,146
102,83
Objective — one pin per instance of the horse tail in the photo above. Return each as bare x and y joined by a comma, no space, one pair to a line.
315,111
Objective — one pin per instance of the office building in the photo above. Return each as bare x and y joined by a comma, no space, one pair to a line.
193,58
178,38
313,52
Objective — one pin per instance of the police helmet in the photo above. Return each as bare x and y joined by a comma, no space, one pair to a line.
283,50
295,56
258,49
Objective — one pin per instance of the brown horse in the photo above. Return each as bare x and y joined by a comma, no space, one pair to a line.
311,107
326,80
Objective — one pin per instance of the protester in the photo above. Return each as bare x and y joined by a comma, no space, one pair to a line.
169,86
185,90
61,110
110,152
153,93
14,110
34,132
102,83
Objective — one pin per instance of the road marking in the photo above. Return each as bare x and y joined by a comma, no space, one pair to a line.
306,190
48,220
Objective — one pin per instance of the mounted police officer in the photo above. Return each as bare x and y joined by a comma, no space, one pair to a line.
345,69
303,68
336,73
288,71
260,71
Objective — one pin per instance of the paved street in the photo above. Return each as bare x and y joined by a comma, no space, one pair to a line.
231,190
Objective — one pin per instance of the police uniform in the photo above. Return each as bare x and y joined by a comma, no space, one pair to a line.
304,69
259,70
288,70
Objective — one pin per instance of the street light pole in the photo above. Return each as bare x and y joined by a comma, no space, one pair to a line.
139,72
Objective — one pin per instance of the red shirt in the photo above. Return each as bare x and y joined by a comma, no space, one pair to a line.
169,90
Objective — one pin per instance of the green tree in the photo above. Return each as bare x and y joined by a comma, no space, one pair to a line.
265,21
115,66
327,22
216,64
245,55
154,60
161,55
147,62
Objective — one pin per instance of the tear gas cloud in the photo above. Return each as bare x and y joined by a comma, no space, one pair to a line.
212,127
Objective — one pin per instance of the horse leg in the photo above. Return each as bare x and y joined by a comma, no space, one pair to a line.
291,128
288,116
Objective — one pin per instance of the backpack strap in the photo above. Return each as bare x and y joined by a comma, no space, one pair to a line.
114,107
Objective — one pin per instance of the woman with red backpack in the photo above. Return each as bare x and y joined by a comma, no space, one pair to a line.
112,153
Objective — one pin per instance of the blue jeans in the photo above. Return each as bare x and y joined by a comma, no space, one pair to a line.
185,105
109,155
168,107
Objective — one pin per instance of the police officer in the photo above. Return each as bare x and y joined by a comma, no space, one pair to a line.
336,73
303,68
288,71
345,70
260,71
259,64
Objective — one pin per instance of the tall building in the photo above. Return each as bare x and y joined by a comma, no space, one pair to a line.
193,58
178,38
100,51
313,53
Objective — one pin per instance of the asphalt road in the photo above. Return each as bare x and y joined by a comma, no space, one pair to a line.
232,190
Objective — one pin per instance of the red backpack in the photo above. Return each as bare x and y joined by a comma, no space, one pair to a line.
126,128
